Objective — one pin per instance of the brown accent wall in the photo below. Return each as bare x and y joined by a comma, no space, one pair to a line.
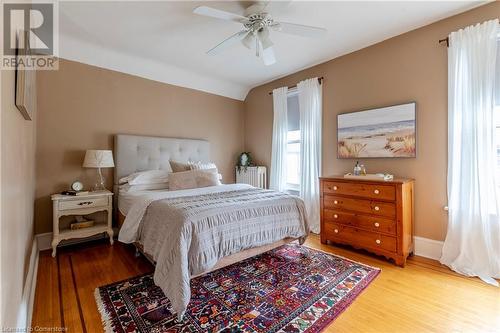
17,194
409,67
81,107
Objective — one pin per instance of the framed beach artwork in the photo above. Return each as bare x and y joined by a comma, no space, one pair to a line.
384,132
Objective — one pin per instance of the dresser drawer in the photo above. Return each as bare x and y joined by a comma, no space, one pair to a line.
387,209
83,203
382,192
372,223
360,238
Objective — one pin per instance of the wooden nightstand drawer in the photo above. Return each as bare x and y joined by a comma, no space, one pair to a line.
83,203
382,192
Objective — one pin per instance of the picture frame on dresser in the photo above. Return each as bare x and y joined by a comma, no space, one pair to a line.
376,216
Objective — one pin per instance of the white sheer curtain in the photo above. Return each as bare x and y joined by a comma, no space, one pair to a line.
472,245
279,146
310,108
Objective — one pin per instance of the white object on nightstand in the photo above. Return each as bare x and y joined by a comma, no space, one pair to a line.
64,205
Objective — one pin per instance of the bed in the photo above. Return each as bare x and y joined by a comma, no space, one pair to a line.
187,233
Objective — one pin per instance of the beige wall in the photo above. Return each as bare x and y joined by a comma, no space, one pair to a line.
82,107
409,67
17,195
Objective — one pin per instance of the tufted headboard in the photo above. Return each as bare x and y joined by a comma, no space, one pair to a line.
138,153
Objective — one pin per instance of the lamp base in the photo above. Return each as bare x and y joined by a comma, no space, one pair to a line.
99,185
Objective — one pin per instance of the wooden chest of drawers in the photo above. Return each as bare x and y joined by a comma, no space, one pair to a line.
373,215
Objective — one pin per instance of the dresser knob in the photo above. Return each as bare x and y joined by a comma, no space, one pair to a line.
335,202
376,224
378,241
336,231
376,191
335,188
335,216
377,208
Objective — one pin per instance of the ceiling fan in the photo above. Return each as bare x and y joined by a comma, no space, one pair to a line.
256,24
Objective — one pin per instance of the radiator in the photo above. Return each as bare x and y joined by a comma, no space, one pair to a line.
255,176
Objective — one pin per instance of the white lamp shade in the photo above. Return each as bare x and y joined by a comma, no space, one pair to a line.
98,159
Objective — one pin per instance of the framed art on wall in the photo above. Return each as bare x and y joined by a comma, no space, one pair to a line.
25,82
376,133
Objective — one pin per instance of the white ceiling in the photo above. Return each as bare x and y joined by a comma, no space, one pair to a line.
165,41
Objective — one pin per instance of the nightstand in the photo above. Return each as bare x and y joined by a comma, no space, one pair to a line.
64,205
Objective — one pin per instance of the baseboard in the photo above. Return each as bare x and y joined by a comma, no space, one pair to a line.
428,248
25,311
44,241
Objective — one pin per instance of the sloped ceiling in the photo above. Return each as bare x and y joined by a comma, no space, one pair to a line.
165,41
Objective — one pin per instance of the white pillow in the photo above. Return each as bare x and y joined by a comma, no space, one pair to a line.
146,177
126,188
193,179
202,165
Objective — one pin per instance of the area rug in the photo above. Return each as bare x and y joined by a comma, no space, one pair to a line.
292,288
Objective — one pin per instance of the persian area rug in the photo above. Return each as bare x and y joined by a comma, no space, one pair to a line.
292,288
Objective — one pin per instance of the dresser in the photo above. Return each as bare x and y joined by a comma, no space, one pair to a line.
373,215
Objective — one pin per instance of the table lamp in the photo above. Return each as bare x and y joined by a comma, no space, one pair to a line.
98,159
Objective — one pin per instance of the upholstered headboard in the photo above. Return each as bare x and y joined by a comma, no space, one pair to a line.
138,153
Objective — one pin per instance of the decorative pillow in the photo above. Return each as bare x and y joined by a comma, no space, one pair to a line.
179,166
126,188
146,177
208,177
202,165
193,179
182,180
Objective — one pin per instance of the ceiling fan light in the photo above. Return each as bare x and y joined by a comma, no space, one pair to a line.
248,41
264,39
268,56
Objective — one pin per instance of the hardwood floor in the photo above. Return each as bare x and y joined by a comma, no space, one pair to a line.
422,297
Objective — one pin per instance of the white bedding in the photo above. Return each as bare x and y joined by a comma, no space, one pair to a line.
133,205
127,199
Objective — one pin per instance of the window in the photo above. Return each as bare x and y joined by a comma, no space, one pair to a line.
293,144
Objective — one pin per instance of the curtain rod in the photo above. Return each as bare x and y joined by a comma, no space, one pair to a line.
295,86
447,40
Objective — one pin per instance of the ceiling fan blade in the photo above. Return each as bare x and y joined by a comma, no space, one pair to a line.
299,29
268,56
277,6
219,14
248,40
256,8
230,41
264,39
